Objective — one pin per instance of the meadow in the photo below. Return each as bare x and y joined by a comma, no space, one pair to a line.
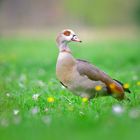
34,105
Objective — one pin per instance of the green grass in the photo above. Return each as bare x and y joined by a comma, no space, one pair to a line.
27,67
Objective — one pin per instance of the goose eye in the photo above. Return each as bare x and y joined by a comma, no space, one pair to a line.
67,33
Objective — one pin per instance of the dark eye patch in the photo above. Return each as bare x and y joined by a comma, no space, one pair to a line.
67,33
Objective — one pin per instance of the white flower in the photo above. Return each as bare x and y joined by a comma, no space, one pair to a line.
135,77
46,119
46,109
35,97
81,113
40,83
22,78
4,122
117,109
134,113
15,111
16,120
35,110
8,94
21,85
62,87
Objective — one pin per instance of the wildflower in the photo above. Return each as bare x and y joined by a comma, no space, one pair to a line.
62,87
22,78
35,110
117,109
35,97
47,119
134,113
17,120
46,109
85,99
126,85
98,88
15,111
81,113
50,99
135,77
8,94
138,83
40,83
21,85
4,122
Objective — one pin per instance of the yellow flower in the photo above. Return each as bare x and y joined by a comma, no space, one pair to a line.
85,99
126,85
138,83
50,99
98,88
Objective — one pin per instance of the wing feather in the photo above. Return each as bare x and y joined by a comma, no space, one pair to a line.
95,74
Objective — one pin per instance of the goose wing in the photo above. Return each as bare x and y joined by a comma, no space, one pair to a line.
95,74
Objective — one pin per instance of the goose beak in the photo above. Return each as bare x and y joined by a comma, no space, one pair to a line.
75,39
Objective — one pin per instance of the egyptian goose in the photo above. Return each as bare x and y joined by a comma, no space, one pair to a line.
81,77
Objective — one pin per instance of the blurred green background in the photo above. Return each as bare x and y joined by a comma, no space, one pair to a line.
110,33
45,13
38,16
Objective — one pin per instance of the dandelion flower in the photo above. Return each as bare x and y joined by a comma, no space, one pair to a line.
85,99
138,83
50,99
126,85
98,88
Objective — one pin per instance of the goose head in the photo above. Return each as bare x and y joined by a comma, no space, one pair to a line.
67,36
